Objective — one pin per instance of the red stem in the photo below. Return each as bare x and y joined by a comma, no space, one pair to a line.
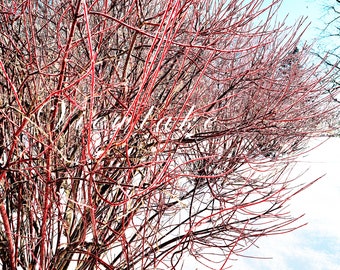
10,244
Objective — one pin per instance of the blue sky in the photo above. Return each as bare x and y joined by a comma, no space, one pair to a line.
317,14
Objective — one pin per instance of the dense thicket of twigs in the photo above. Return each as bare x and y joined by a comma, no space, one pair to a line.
136,134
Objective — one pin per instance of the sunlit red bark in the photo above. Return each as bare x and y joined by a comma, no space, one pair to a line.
140,134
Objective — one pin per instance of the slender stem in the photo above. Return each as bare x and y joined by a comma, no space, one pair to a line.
10,244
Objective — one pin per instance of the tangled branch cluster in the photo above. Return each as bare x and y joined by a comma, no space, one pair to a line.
98,169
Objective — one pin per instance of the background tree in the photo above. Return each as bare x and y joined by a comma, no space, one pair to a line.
137,134
329,49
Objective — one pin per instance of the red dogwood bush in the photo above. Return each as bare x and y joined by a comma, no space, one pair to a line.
139,134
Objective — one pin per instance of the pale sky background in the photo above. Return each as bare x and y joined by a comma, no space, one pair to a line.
317,245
